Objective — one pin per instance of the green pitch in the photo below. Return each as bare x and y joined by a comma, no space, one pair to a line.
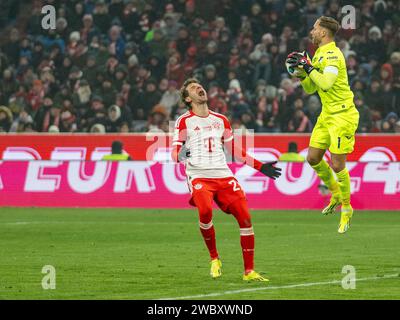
153,254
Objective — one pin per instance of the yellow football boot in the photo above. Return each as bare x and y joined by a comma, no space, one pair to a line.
216,268
335,202
254,276
346,215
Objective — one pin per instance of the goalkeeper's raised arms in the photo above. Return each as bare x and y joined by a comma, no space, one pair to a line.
323,80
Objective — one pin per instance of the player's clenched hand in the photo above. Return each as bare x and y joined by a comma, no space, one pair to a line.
184,153
270,171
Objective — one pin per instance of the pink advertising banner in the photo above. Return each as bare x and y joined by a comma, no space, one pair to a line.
141,184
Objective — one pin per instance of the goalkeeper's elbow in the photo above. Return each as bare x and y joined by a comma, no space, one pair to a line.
309,90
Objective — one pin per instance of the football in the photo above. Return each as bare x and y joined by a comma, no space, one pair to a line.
295,71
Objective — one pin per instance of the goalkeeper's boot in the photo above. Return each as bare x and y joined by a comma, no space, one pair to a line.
336,200
254,276
216,268
347,213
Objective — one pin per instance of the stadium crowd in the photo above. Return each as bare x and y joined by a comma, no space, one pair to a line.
117,65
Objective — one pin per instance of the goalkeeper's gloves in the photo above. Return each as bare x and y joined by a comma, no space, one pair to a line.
270,171
298,59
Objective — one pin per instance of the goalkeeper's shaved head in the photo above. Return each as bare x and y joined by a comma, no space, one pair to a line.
330,24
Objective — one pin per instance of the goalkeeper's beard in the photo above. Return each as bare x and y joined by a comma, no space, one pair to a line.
315,41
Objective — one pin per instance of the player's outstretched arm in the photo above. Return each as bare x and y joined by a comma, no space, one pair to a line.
242,156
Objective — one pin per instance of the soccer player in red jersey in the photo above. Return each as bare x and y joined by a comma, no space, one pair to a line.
199,140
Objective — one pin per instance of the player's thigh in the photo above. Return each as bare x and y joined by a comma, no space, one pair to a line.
230,191
320,138
315,155
202,198
342,132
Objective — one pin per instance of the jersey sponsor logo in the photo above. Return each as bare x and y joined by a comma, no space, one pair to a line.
198,186
330,52
333,57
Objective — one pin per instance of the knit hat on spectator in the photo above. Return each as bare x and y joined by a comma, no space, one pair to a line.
98,128
133,61
395,57
235,85
387,67
267,38
117,110
74,36
53,129
271,92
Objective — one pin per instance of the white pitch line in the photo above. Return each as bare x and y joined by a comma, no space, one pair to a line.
310,284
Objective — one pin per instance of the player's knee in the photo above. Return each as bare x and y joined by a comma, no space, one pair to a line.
313,160
338,166
240,211
246,223
205,213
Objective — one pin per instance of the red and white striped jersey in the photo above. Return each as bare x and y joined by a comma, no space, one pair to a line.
204,137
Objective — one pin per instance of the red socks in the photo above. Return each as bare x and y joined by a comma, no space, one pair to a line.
208,232
240,211
247,243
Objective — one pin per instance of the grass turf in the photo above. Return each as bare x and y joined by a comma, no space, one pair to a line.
152,254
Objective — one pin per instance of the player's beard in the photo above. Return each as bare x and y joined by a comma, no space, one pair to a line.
315,40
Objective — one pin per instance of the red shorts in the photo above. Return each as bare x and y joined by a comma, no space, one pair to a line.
223,191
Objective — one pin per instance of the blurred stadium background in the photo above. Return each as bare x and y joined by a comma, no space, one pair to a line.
111,70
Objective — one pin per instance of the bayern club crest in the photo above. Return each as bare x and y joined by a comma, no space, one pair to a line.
198,186
216,125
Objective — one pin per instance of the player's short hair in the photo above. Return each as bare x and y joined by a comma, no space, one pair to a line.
329,23
185,93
